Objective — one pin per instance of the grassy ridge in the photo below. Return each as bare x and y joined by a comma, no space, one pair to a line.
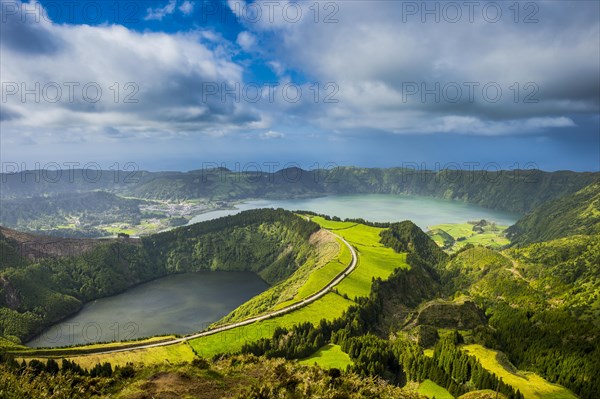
232,340
574,214
374,259
323,274
329,258
531,385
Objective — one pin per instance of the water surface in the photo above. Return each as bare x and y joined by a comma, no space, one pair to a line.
423,211
178,304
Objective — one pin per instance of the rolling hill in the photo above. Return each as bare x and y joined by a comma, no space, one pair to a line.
577,213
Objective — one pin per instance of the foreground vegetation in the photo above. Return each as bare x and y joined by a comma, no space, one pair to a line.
433,390
243,377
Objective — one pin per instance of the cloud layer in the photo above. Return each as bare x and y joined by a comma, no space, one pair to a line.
333,69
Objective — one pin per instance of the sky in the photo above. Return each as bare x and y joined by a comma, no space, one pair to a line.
178,84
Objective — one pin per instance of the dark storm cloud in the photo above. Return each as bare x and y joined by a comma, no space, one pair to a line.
25,30
6,114
552,61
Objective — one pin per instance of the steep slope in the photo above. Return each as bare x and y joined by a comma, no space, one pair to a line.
542,295
17,247
542,302
408,237
271,243
577,213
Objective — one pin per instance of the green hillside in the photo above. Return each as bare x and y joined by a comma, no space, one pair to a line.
271,243
511,190
577,213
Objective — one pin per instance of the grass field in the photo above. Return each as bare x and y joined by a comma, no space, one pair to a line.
170,354
531,385
330,258
463,234
328,307
432,390
226,341
324,274
374,259
329,356
106,345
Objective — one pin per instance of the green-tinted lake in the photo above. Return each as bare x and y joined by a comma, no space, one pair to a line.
424,211
178,304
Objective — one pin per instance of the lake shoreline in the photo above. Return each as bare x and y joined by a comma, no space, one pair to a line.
179,295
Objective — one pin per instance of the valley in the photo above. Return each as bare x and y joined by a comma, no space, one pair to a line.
382,286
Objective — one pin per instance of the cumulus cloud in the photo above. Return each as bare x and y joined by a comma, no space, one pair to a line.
187,7
271,134
122,81
379,54
246,40
160,12
368,72
277,67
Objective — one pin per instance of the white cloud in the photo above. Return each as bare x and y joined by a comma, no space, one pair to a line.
187,7
371,52
550,122
277,67
160,12
165,73
246,40
238,7
368,55
271,134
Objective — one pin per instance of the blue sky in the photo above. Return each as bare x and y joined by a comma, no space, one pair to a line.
173,84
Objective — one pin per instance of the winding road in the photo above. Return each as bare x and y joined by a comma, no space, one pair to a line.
269,315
